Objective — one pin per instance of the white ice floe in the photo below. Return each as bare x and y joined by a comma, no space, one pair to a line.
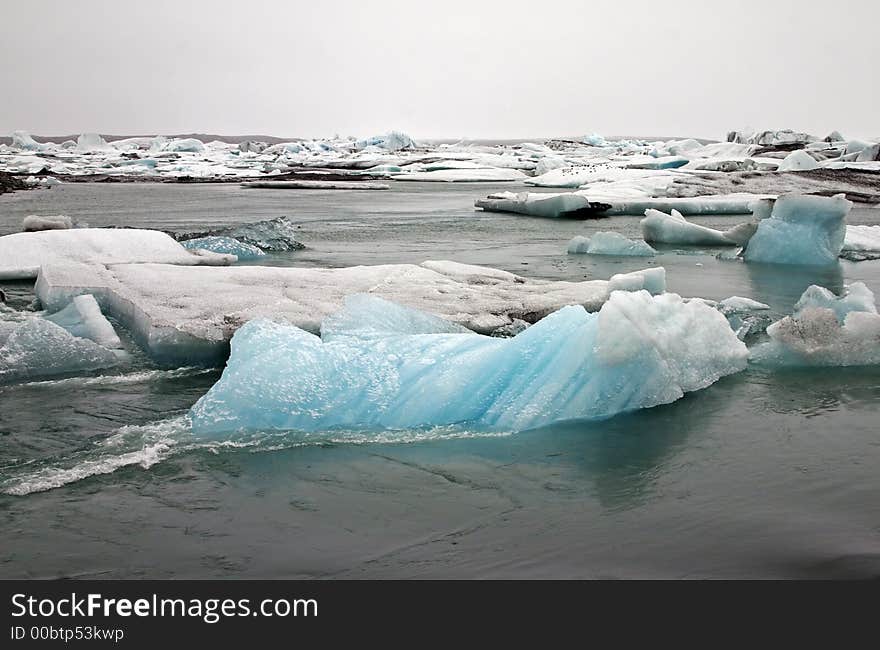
639,351
22,254
796,161
34,223
190,314
579,203
807,230
609,243
83,318
862,239
675,229
825,330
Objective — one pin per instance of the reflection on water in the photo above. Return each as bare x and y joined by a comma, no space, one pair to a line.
781,286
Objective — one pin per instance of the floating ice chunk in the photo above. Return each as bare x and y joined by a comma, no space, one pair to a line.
861,243
83,318
609,243
225,245
190,145
91,142
23,141
638,351
741,233
564,205
278,234
39,348
745,315
34,223
22,254
675,229
825,330
663,162
736,304
594,140
798,160
393,141
857,297
651,280
808,230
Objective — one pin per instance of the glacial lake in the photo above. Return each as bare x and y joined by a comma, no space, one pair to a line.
765,474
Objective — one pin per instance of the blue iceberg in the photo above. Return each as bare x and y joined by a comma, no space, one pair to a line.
227,245
609,243
807,230
381,366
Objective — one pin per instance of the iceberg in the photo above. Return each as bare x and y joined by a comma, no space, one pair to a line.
22,254
188,145
609,243
277,234
825,330
807,230
675,229
392,141
40,348
639,351
91,142
83,319
226,246
35,223
23,141
797,161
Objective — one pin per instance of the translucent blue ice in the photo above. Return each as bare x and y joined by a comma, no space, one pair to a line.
609,243
383,366
218,244
808,230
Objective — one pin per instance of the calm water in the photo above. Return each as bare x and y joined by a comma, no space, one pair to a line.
764,474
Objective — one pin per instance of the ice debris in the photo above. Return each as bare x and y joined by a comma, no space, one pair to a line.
83,319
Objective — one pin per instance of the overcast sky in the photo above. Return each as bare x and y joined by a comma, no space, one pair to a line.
439,69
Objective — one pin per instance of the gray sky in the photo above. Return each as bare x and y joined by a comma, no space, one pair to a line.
439,69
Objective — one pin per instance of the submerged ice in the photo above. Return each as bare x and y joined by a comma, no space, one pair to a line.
384,367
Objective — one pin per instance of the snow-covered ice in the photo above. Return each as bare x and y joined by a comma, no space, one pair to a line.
22,254
638,351
675,229
806,230
189,314
609,243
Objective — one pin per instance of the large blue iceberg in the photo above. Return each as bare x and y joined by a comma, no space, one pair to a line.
807,230
381,366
